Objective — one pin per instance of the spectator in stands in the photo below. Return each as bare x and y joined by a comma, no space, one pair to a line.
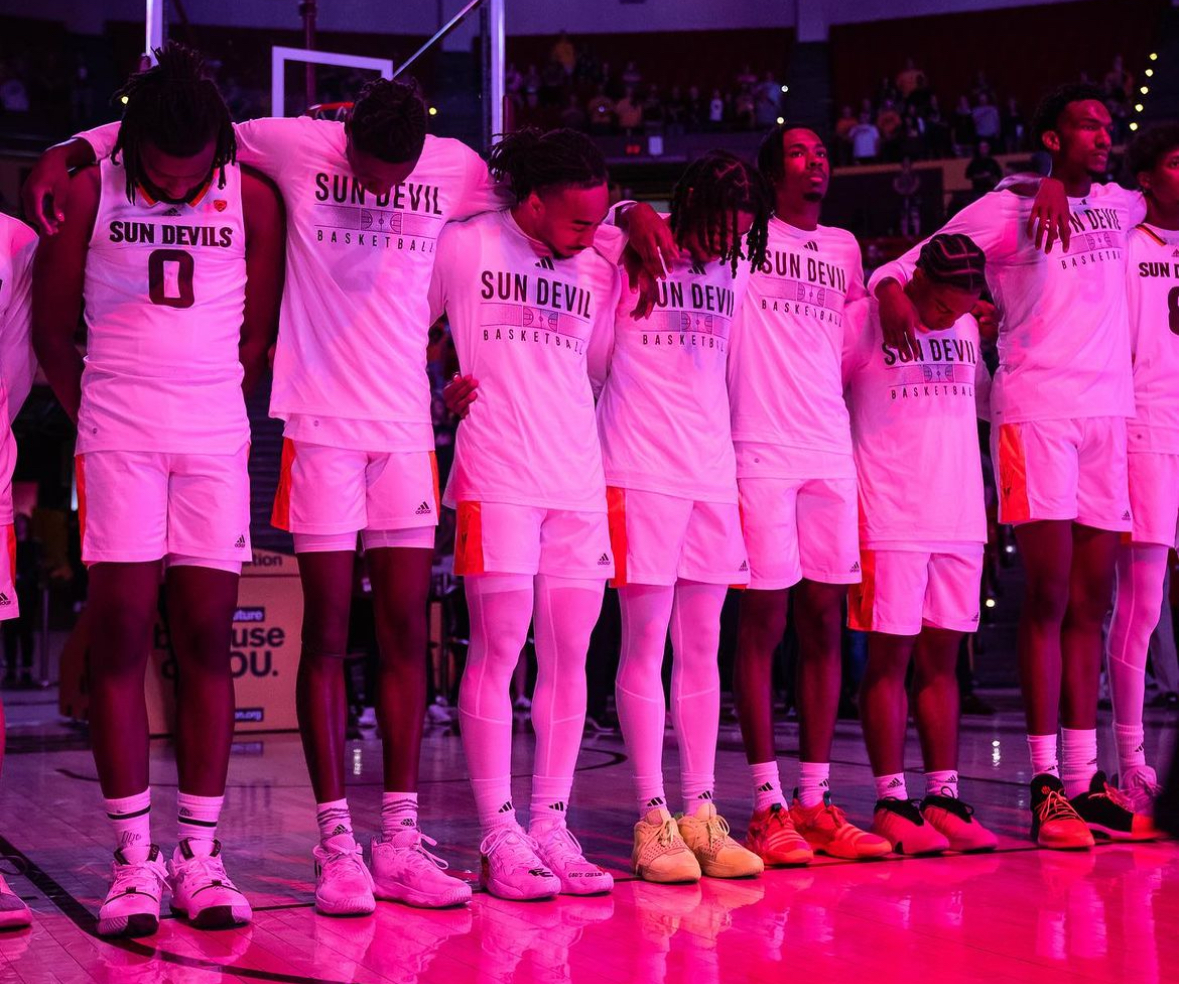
716,110
653,107
746,77
888,122
573,116
564,54
768,97
983,172
631,75
1014,127
910,79
695,110
601,111
1119,83
887,92
629,111
745,108
907,185
912,135
987,124
865,140
982,87
962,128
843,127
552,84
14,96
937,130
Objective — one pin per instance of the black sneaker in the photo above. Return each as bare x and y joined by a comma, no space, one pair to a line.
900,823
1110,815
1055,821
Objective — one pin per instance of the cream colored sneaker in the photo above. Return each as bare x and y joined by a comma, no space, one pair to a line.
660,854
706,833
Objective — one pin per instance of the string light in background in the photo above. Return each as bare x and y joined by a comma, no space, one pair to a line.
1144,90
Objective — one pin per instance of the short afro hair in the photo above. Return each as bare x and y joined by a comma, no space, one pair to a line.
1149,148
771,155
1053,105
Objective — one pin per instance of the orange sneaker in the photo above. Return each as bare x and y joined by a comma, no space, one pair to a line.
772,838
826,829
956,822
1055,821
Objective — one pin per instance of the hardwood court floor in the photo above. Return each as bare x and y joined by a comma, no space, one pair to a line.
1017,915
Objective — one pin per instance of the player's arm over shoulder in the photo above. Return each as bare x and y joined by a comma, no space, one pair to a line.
265,223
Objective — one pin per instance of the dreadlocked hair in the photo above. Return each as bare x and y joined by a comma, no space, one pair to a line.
176,107
532,160
388,121
708,199
1053,105
954,261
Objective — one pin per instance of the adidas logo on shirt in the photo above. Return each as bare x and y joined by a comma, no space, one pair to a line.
241,542
4,599
1126,514
811,245
172,211
1176,253
423,509
698,269
976,617
855,568
545,263
604,560
744,566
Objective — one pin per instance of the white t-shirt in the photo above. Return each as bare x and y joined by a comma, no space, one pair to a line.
1064,339
17,365
915,433
664,412
350,365
785,382
1152,294
523,322
165,295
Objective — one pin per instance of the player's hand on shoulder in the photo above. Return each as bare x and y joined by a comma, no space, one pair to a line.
459,394
1048,221
899,321
641,282
46,190
651,239
987,316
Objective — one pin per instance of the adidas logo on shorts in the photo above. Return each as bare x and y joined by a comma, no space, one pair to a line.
604,560
423,509
4,599
855,568
241,542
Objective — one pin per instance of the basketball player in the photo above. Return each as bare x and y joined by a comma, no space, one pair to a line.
365,200
177,254
922,533
1153,447
797,492
17,244
1059,406
671,480
527,291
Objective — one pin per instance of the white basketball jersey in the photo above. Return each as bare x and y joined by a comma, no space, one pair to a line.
165,294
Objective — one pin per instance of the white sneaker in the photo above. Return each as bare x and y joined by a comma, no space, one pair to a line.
510,868
343,885
404,871
1140,785
558,848
14,914
132,906
202,892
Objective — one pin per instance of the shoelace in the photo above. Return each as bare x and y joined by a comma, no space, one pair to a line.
342,863
954,805
717,828
1116,796
1056,807
149,875
669,833
1153,789
210,867
519,848
420,853
562,842
836,814
909,809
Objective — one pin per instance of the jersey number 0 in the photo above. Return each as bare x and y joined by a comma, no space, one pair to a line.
169,278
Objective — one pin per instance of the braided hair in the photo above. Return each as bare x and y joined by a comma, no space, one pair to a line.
706,201
176,107
388,121
531,160
954,260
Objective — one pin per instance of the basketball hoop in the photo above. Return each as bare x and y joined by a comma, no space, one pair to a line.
338,111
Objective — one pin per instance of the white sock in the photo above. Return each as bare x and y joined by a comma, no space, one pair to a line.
131,818
196,820
1078,748
696,789
1131,742
767,785
399,811
814,779
334,820
550,800
942,783
649,794
891,787
1043,751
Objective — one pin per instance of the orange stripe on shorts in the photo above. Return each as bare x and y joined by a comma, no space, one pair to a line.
12,552
861,598
616,516
468,539
80,473
437,493
280,516
1013,476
